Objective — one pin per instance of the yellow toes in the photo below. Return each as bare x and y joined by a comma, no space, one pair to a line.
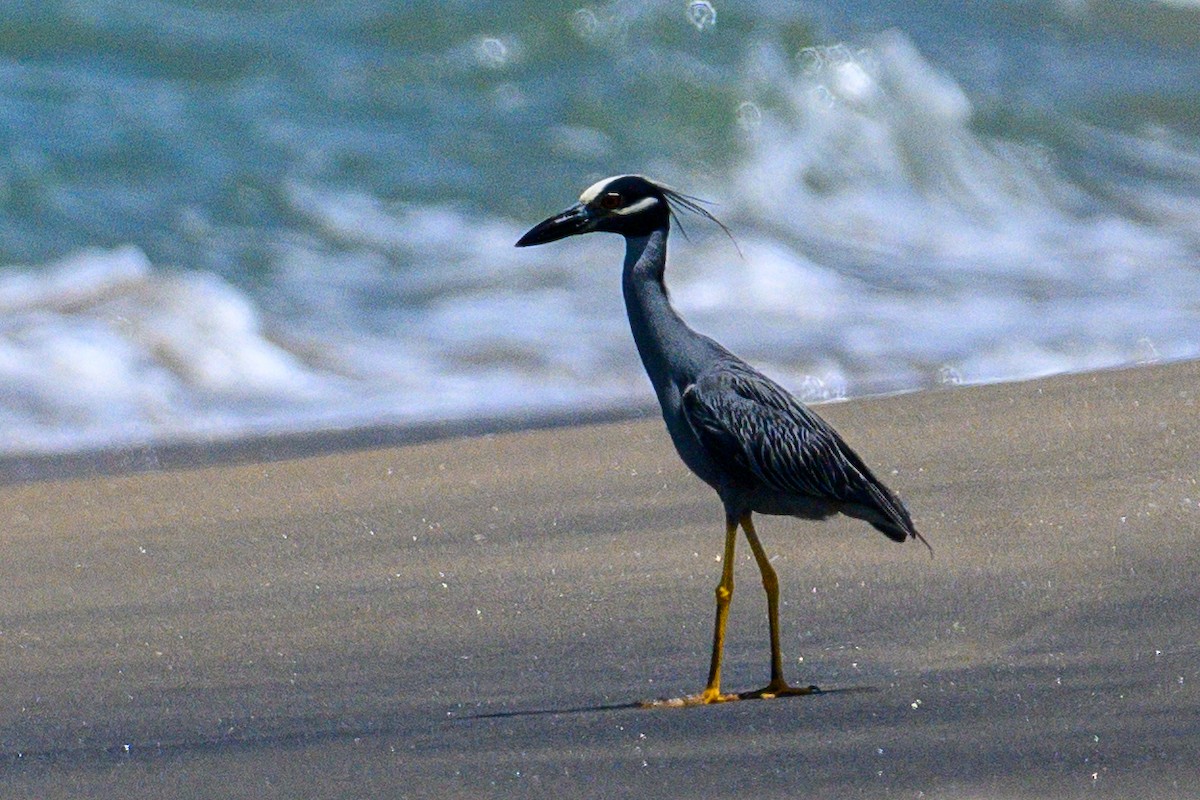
778,689
711,696
707,697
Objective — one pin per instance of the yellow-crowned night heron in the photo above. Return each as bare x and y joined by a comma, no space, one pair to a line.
738,430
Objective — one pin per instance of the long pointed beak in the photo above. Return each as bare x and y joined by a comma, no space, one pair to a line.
576,219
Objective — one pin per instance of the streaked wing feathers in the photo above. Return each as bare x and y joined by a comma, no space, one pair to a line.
755,429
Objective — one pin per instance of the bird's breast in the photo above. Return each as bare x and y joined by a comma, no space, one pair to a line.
690,450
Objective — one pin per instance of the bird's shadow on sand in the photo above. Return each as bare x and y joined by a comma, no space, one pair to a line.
651,705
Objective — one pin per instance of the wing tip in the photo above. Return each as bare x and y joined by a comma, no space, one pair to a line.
901,530
917,535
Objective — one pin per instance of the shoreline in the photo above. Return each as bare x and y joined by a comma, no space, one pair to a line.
283,446
271,447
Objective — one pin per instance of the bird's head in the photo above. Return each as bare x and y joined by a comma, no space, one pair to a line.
631,205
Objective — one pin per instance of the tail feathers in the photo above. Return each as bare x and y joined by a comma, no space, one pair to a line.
897,533
889,516
878,505
901,533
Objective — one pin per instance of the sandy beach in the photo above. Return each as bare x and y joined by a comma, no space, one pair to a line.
473,617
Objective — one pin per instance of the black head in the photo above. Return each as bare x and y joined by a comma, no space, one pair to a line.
631,205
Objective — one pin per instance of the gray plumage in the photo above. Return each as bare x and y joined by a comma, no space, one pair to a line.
739,431
778,457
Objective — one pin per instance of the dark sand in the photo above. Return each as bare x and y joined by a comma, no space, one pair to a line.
471,617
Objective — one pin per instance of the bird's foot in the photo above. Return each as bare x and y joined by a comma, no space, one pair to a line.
711,696
778,688
707,697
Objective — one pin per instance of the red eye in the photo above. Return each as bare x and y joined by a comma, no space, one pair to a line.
610,201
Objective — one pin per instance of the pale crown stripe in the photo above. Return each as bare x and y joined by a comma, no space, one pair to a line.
593,191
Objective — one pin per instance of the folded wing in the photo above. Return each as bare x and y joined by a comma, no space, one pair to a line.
757,431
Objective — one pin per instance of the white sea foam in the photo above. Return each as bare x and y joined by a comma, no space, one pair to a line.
102,348
886,243
918,242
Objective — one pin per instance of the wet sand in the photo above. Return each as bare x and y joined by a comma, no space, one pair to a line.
473,617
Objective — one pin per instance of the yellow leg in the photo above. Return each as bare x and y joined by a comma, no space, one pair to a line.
712,692
777,686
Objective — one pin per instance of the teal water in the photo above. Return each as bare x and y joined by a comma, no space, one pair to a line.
219,218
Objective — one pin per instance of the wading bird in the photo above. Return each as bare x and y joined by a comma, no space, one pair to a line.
739,431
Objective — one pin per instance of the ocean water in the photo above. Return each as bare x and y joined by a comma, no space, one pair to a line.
227,218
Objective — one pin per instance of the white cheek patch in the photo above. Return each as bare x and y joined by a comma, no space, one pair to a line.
640,205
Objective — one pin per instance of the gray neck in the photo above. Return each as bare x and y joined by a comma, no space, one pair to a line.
668,347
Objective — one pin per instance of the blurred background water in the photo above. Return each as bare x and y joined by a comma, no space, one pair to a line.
227,217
